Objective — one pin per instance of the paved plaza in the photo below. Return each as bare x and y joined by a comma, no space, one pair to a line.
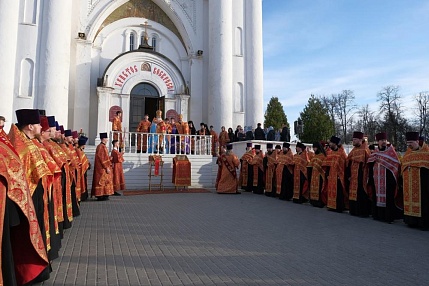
247,239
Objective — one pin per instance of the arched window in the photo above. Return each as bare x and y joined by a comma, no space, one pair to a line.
238,41
238,97
132,41
26,78
154,43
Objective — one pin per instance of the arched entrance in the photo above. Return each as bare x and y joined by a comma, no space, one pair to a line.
140,82
144,99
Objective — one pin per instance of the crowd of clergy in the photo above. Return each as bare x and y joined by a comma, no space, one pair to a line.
375,182
43,180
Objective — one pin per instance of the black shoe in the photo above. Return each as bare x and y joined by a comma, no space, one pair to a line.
117,194
102,198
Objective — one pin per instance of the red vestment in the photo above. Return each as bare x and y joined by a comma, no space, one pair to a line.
117,126
118,171
144,127
335,164
83,168
102,181
244,171
29,251
270,171
317,176
300,180
227,175
412,163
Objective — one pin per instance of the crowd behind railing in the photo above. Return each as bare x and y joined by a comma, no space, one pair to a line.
158,143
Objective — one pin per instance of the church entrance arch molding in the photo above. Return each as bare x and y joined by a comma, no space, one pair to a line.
130,69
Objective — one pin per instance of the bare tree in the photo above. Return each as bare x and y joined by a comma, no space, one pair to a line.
368,122
344,106
390,106
422,102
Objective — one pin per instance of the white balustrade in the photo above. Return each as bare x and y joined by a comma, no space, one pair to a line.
160,143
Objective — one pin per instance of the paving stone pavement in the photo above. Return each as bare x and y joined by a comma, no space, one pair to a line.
247,239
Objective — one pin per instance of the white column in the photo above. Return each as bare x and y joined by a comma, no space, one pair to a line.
125,105
183,105
127,40
82,86
253,54
220,64
94,98
104,95
9,17
55,59
196,91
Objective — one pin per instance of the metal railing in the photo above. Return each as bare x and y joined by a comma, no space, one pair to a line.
160,143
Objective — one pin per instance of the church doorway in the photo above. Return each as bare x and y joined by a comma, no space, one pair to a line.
144,99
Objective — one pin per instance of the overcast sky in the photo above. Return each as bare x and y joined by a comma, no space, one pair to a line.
322,47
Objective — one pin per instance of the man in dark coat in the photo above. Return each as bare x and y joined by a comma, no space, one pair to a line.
259,133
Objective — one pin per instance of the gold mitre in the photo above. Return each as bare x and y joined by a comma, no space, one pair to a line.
180,116
158,113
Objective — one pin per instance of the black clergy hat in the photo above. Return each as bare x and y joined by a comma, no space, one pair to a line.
286,145
103,135
269,145
67,133
278,146
257,147
229,147
42,112
300,145
336,140
317,145
412,136
82,140
27,116
249,144
51,121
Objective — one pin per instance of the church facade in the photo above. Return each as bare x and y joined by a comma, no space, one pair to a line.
84,60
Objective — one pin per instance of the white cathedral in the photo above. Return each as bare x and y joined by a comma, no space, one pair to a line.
82,60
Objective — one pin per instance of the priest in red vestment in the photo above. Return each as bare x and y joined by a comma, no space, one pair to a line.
34,168
300,178
117,128
357,177
383,177
85,166
316,175
102,186
227,182
334,166
144,127
415,173
118,171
